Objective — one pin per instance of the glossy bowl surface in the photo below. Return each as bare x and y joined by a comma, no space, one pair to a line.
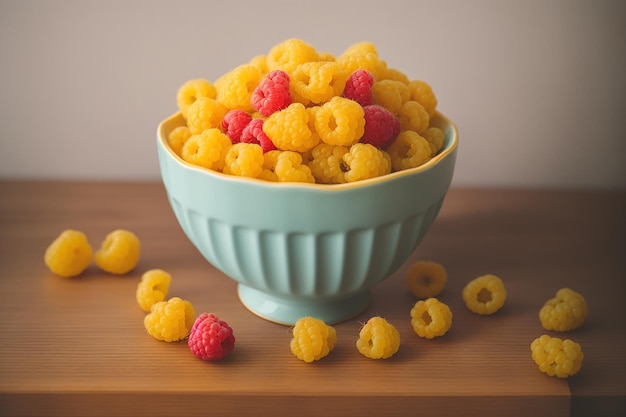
306,249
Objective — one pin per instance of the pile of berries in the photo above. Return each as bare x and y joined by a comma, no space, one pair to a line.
70,253
299,115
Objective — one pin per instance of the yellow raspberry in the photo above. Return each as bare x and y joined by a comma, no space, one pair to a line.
312,339
426,279
205,113
435,138
287,55
365,161
327,164
289,129
566,311
235,88
340,121
556,357
409,150
423,93
170,320
177,138
431,318
484,295
393,74
152,288
390,94
69,254
317,82
244,159
192,90
378,339
260,62
119,252
289,168
362,55
207,149
413,116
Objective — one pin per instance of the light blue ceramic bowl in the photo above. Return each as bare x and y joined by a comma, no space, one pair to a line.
306,249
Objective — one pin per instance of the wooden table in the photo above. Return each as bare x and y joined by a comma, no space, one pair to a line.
77,347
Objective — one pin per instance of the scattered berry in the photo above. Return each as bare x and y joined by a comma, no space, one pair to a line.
359,87
426,279
380,126
484,295
272,94
312,339
244,160
566,311
340,121
431,318
119,252
556,357
378,339
69,254
152,288
253,133
170,320
409,150
210,338
192,90
234,123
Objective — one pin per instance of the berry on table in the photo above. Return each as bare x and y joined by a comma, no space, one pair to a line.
210,338
170,320
426,279
378,339
119,252
69,254
557,357
484,295
566,311
152,288
431,318
312,339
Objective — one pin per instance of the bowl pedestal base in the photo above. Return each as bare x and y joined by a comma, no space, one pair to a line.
287,310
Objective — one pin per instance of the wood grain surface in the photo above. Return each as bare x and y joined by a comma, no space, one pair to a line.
77,347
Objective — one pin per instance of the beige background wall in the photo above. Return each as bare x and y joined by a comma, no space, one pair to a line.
537,88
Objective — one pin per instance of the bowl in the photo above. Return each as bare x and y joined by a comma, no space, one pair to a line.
300,249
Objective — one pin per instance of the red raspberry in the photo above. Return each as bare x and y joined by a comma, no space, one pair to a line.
272,93
233,124
381,126
253,133
211,339
359,87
